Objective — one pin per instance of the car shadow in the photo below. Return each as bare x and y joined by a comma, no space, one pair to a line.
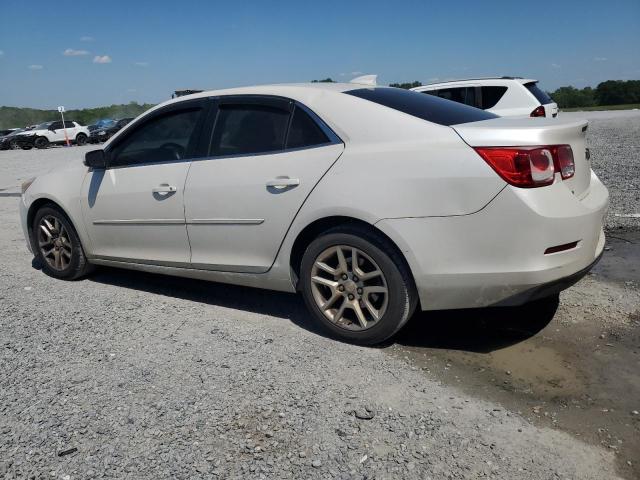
480,330
475,330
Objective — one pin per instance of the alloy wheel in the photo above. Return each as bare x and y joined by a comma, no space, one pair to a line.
349,287
54,242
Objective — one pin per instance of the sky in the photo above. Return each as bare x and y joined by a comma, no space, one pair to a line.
87,54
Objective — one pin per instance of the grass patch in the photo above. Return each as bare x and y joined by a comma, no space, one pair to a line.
598,108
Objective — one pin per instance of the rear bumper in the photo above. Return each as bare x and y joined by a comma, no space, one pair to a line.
497,255
548,289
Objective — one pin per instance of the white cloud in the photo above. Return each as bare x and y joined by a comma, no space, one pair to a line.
600,59
86,39
70,52
555,65
102,59
141,64
357,73
35,67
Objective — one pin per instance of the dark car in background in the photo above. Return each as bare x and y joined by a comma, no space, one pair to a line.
104,133
14,139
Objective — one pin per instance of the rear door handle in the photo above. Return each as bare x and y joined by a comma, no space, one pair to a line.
283,182
164,188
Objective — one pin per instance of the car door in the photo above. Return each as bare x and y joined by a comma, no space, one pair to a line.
134,209
266,155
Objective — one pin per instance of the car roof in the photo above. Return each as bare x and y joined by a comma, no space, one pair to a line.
491,80
292,90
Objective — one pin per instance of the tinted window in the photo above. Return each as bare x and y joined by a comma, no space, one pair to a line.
470,96
491,96
69,124
455,94
163,138
245,129
541,96
56,125
427,107
304,131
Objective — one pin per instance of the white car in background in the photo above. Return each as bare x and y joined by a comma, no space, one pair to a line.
504,96
48,133
370,201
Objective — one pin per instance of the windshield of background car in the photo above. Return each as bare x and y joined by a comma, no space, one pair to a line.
427,107
540,95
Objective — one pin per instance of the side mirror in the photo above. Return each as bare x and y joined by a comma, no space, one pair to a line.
95,159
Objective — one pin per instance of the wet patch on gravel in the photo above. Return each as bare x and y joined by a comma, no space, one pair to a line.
572,366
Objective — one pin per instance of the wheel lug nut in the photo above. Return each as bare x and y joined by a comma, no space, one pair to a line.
355,279
344,276
359,291
341,288
350,297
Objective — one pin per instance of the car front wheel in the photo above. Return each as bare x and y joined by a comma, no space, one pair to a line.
56,245
356,285
41,142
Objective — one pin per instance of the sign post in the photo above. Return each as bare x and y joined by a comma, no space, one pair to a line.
64,127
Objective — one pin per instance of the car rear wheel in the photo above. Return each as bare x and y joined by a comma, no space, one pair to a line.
57,246
356,285
81,139
41,142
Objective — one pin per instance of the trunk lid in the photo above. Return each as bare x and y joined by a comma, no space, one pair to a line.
524,132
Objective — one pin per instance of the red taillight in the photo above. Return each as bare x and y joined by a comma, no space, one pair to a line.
538,112
564,161
529,167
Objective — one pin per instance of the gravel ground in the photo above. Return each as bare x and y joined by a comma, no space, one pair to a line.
131,375
614,141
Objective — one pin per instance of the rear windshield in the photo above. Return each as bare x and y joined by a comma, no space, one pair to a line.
426,107
540,95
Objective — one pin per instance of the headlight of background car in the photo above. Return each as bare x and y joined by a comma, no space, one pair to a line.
26,184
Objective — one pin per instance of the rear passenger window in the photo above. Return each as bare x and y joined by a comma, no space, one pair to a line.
246,129
491,96
69,124
304,131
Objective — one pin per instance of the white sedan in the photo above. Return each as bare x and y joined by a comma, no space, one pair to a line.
370,201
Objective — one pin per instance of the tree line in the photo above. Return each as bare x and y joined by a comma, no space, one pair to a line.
16,117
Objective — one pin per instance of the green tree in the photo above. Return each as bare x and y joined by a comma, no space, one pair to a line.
406,86
571,97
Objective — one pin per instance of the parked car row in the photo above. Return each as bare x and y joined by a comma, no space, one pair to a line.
46,134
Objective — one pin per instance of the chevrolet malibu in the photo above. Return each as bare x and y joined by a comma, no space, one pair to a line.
370,201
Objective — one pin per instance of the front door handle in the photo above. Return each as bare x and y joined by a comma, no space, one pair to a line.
164,188
283,182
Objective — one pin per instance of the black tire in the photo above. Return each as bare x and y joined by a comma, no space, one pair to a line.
81,139
41,142
402,294
78,265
